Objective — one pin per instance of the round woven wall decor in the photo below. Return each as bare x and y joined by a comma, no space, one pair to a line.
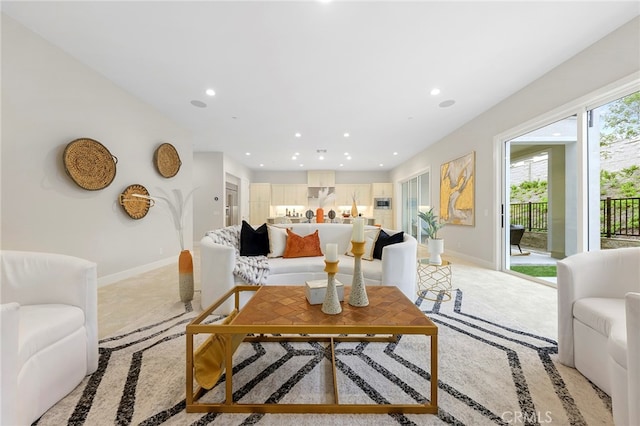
135,207
89,164
167,160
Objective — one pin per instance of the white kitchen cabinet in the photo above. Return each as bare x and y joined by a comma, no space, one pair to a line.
363,193
288,194
259,212
382,190
259,203
277,194
260,192
384,218
345,191
321,178
343,194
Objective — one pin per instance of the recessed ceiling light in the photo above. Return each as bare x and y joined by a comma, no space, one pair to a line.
346,135
261,165
395,153
346,153
301,165
381,165
321,157
294,158
447,103
247,153
210,92
198,104
348,157
341,165
435,91
298,135
296,153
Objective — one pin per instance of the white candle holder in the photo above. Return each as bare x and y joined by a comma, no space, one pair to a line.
358,296
331,304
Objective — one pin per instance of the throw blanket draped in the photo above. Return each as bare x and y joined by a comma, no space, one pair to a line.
252,269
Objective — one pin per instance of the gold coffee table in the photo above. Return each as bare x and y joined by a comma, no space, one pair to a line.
283,310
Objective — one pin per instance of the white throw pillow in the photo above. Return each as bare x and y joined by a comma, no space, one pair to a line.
370,237
277,241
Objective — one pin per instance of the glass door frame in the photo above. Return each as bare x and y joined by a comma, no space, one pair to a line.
409,213
579,108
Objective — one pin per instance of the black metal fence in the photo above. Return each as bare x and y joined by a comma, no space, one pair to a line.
533,216
618,216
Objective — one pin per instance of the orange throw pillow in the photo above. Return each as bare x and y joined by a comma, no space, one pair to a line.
298,246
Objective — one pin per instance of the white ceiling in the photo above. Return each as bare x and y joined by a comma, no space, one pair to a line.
321,69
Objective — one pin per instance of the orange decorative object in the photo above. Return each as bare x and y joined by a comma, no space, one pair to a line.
185,276
319,215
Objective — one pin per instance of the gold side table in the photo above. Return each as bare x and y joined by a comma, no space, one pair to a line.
434,280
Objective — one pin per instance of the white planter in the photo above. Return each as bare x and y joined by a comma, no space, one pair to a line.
436,248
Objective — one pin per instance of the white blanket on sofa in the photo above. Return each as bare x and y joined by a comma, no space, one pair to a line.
252,269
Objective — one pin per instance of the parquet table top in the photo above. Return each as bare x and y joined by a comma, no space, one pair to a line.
280,313
287,305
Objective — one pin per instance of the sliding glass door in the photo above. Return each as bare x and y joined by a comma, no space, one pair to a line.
614,173
415,198
572,184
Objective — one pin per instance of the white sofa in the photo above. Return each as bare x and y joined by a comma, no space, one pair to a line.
397,266
49,331
599,324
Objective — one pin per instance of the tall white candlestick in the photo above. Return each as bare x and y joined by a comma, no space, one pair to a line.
358,230
331,252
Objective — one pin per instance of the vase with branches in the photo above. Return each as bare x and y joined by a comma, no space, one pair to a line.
354,204
324,198
176,203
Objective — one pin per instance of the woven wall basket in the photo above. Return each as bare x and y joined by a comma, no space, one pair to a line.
167,160
135,207
89,164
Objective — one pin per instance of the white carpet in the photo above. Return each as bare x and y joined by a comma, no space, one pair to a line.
493,370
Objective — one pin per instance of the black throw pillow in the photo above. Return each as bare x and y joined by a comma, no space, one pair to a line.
385,239
254,242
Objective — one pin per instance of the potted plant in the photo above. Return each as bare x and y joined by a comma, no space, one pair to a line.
430,225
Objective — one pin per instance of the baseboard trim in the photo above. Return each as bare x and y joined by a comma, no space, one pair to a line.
122,275
470,259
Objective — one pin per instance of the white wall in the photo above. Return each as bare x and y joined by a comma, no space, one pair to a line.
208,178
210,171
50,99
608,60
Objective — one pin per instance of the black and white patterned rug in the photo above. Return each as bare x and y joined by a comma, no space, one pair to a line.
490,373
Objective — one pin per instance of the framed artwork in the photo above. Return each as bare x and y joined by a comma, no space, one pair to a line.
457,190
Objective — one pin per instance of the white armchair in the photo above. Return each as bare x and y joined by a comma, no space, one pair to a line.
594,334
632,303
49,331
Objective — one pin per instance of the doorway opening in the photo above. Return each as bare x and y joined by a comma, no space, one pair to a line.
232,213
541,209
